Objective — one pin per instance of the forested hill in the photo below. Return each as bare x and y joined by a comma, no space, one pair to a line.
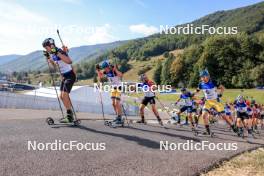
233,60
248,19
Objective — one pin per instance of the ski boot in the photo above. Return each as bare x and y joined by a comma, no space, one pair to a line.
234,128
118,122
160,122
67,119
142,121
195,132
240,133
211,134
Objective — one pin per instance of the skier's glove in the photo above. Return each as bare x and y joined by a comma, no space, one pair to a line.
65,49
46,54
97,67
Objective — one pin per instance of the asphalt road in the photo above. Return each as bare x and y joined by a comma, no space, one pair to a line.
130,151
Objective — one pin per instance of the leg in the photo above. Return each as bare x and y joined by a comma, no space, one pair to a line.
190,119
239,126
205,116
113,104
65,88
143,104
183,109
179,117
64,96
141,110
118,107
154,110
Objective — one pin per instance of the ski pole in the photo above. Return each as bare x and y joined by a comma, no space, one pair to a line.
124,111
58,32
101,101
65,48
53,82
163,106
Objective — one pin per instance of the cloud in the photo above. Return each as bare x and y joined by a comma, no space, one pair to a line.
22,31
143,29
101,34
15,32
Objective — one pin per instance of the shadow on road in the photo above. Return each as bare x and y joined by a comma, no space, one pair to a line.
167,134
141,141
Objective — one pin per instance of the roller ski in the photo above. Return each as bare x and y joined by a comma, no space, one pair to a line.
251,136
240,133
118,122
211,134
195,132
64,121
208,132
142,121
173,120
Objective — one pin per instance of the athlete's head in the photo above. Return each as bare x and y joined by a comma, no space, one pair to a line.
143,77
48,44
106,65
183,90
240,99
204,75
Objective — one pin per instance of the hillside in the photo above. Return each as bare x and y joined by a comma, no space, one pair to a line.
248,19
148,66
35,62
8,58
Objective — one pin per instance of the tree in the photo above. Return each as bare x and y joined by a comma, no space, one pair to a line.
157,73
165,72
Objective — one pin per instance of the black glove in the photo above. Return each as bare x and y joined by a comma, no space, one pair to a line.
46,54
97,66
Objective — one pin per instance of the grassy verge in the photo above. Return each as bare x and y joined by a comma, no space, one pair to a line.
249,163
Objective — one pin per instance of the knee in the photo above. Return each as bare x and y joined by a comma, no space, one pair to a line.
141,108
61,96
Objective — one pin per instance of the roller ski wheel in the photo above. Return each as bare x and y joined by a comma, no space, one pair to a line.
212,135
77,122
195,132
50,121
107,123
143,122
117,124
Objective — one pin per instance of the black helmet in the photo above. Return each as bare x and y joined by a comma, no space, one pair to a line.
48,42
142,77
183,89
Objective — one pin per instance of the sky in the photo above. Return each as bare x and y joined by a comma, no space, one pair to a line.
24,24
